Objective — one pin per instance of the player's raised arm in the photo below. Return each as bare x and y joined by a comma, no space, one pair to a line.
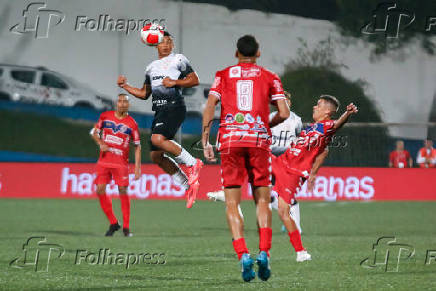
351,109
141,93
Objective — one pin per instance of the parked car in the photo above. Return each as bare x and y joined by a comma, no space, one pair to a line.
40,85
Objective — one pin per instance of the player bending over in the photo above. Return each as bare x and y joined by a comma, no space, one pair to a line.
245,91
164,79
293,167
112,133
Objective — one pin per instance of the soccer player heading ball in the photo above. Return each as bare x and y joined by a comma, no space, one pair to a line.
245,91
112,133
164,79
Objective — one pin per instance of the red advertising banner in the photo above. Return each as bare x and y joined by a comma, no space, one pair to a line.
59,180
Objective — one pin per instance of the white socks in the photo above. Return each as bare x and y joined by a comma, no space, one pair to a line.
185,158
180,178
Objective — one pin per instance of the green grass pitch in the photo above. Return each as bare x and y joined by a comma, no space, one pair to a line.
197,247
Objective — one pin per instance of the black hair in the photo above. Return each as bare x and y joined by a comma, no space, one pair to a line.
247,45
166,33
332,100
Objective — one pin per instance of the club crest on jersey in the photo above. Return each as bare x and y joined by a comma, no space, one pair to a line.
235,72
122,128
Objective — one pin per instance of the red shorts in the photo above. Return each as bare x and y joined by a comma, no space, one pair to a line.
286,184
238,162
105,175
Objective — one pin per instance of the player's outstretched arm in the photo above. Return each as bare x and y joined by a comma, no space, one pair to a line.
351,109
208,114
141,93
282,113
315,168
191,80
137,162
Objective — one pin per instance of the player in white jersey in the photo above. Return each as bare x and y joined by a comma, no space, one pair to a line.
164,80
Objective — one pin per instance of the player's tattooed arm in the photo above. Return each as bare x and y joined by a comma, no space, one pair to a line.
137,162
208,114
141,93
351,109
95,134
191,80
315,168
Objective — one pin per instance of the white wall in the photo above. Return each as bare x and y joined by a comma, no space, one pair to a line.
403,90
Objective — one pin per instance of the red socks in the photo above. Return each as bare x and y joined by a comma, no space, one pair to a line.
106,206
265,236
240,247
295,239
125,208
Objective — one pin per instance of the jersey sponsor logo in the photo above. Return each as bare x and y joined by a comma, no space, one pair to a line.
159,124
122,128
251,73
249,118
115,151
158,78
319,127
229,118
240,118
235,72
112,139
259,120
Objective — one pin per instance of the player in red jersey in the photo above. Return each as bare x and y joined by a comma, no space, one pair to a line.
302,159
245,91
112,133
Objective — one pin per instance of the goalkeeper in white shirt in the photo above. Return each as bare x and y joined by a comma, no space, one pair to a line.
283,135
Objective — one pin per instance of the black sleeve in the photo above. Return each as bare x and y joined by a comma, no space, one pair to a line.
147,80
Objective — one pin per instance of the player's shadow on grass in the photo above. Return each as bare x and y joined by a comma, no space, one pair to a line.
66,232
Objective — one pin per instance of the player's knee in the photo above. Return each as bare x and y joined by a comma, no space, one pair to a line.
157,139
283,212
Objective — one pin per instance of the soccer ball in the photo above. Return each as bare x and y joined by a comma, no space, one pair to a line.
152,34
